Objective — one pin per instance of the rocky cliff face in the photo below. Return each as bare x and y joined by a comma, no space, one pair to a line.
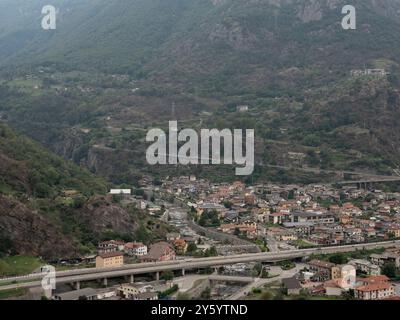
100,214
30,233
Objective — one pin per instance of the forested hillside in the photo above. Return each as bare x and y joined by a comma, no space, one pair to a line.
91,89
53,208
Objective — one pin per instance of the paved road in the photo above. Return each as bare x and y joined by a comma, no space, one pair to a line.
272,243
137,269
221,236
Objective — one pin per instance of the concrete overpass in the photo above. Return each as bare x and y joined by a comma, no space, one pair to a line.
79,275
361,178
365,182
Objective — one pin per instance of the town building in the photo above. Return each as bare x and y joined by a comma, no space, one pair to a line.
145,296
374,291
128,290
365,266
315,217
324,270
121,192
180,246
292,286
386,257
160,251
110,246
82,294
135,249
110,260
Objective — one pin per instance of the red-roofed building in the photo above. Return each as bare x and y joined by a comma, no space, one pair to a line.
374,288
375,291
160,251
180,246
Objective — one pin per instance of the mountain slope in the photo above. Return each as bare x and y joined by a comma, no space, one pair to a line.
52,208
184,40
289,60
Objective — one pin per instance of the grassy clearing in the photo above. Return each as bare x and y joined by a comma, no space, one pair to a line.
302,244
13,293
18,265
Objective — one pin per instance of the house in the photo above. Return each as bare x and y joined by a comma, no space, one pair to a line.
286,236
374,291
365,267
374,288
180,245
231,216
248,228
89,259
135,249
110,246
369,232
345,219
160,251
324,270
350,209
153,208
292,286
110,260
275,217
369,72
145,296
172,236
311,216
207,207
394,231
242,108
128,290
121,192
82,294
333,287
106,246
301,228
106,293
386,257
250,199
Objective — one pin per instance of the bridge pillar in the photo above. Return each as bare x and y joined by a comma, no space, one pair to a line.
183,272
77,285
131,278
105,282
158,276
48,293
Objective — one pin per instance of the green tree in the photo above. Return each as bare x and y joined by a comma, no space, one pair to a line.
389,270
167,275
209,219
139,192
338,258
191,247
213,251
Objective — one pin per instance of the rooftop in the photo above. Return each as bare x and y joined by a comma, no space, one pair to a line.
110,254
291,283
74,295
